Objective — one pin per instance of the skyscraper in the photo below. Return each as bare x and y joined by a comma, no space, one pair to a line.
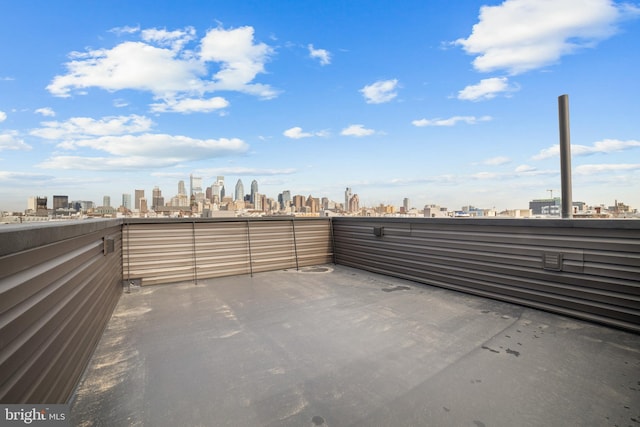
347,198
254,191
126,201
157,201
285,200
195,185
239,195
181,189
106,201
139,194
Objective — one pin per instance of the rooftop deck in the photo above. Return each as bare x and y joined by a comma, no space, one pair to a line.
337,346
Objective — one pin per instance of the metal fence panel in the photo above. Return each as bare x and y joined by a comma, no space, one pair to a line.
58,287
588,269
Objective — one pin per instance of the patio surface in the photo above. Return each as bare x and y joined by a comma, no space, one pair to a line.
336,346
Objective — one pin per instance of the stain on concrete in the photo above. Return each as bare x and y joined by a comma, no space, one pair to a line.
514,352
490,349
396,288
317,420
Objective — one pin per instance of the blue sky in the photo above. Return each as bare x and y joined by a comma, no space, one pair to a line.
448,103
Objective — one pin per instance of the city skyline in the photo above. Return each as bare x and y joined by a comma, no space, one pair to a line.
423,100
182,198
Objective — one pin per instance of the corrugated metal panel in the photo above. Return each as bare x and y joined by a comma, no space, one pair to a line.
588,269
56,297
167,251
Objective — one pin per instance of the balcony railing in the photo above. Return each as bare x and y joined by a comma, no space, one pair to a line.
59,282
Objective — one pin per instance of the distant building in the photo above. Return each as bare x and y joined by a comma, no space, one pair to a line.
195,190
435,211
313,204
32,204
354,203
546,206
285,200
239,193
347,198
157,200
254,191
126,201
139,194
60,202
41,206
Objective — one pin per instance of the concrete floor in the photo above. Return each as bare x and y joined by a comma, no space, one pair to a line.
335,346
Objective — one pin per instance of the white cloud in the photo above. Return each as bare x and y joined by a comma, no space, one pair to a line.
9,140
297,133
162,65
321,54
131,65
143,151
497,161
486,175
174,39
3,116
240,58
190,105
380,91
86,127
46,111
357,130
451,121
120,103
522,35
602,147
605,168
486,89
525,168
125,30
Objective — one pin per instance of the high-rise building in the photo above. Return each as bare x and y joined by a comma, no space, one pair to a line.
239,195
126,201
41,206
195,185
254,191
181,188
157,200
106,201
405,204
285,200
347,199
298,202
354,203
324,203
139,194
313,204
60,202
32,204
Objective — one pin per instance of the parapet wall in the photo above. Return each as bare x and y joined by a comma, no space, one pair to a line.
59,284
588,269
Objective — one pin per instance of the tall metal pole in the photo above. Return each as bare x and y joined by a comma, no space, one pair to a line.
565,156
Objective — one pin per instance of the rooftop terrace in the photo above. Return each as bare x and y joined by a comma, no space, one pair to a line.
337,346
348,321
